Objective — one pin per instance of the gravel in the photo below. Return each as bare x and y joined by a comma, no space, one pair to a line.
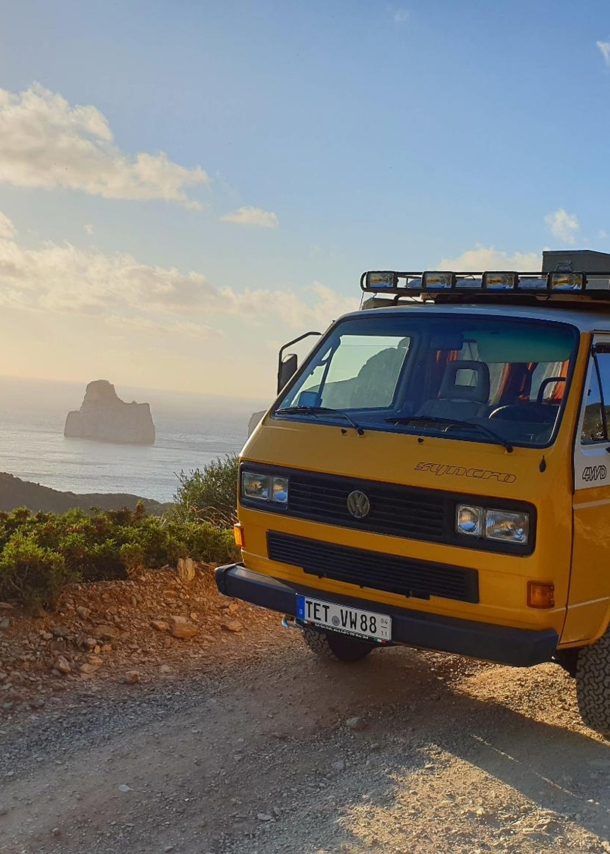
404,752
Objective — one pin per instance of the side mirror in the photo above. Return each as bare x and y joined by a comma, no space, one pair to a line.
287,365
286,370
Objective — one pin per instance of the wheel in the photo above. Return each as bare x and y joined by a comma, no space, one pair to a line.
336,647
593,684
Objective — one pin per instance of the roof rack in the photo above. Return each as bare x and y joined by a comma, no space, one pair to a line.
444,285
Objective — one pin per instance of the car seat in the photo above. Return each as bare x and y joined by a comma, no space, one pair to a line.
459,397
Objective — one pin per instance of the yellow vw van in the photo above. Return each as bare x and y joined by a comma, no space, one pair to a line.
435,474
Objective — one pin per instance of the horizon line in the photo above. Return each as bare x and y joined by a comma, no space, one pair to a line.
137,387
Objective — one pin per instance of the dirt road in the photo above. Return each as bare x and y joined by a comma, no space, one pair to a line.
405,752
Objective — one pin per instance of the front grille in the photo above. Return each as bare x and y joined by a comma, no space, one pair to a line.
397,510
375,570
415,513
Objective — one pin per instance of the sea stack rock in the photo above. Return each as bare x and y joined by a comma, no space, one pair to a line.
104,417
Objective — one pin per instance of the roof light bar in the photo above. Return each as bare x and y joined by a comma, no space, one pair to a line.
440,281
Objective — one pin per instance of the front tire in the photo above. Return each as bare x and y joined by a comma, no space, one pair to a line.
335,647
593,684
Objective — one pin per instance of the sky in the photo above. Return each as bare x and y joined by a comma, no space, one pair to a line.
185,185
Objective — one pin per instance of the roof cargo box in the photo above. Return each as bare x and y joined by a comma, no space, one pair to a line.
575,261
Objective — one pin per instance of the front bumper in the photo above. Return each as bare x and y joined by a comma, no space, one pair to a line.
500,644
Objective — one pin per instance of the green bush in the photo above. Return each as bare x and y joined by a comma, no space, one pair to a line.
208,494
202,542
132,555
40,553
31,574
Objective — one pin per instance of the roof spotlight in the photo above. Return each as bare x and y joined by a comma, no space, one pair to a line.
438,281
506,281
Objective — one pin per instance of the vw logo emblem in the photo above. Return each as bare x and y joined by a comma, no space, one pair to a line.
358,504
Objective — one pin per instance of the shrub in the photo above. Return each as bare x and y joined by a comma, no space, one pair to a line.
202,542
31,574
133,556
208,494
41,553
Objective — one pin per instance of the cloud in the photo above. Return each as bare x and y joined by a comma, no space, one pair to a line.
89,229
316,304
7,229
148,325
604,48
252,216
563,226
136,298
401,15
487,258
47,143
65,279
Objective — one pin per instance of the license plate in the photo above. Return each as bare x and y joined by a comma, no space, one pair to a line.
344,619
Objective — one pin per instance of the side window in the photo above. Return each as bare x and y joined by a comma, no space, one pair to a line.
594,426
603,366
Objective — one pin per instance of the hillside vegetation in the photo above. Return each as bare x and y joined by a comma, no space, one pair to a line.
42,552
15,492
208,494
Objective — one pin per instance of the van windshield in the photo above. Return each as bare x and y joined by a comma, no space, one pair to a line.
447,375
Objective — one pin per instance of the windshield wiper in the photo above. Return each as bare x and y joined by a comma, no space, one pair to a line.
451,422
319,410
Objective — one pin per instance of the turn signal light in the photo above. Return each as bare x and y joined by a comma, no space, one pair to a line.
540,594
238,534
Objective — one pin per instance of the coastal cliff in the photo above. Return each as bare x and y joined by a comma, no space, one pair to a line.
15,492
103,416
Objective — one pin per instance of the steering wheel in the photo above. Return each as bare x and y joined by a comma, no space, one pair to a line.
522,412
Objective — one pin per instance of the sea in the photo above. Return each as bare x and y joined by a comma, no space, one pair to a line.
190,432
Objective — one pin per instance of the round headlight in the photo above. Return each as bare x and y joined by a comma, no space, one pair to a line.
469,520
280,490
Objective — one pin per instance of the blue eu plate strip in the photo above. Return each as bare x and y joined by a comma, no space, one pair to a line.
300,607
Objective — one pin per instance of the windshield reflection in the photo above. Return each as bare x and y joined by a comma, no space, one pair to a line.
485,379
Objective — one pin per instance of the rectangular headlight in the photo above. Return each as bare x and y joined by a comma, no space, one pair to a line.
255,485
264,487
507,527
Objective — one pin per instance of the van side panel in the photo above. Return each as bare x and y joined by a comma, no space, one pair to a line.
589,597
589,601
